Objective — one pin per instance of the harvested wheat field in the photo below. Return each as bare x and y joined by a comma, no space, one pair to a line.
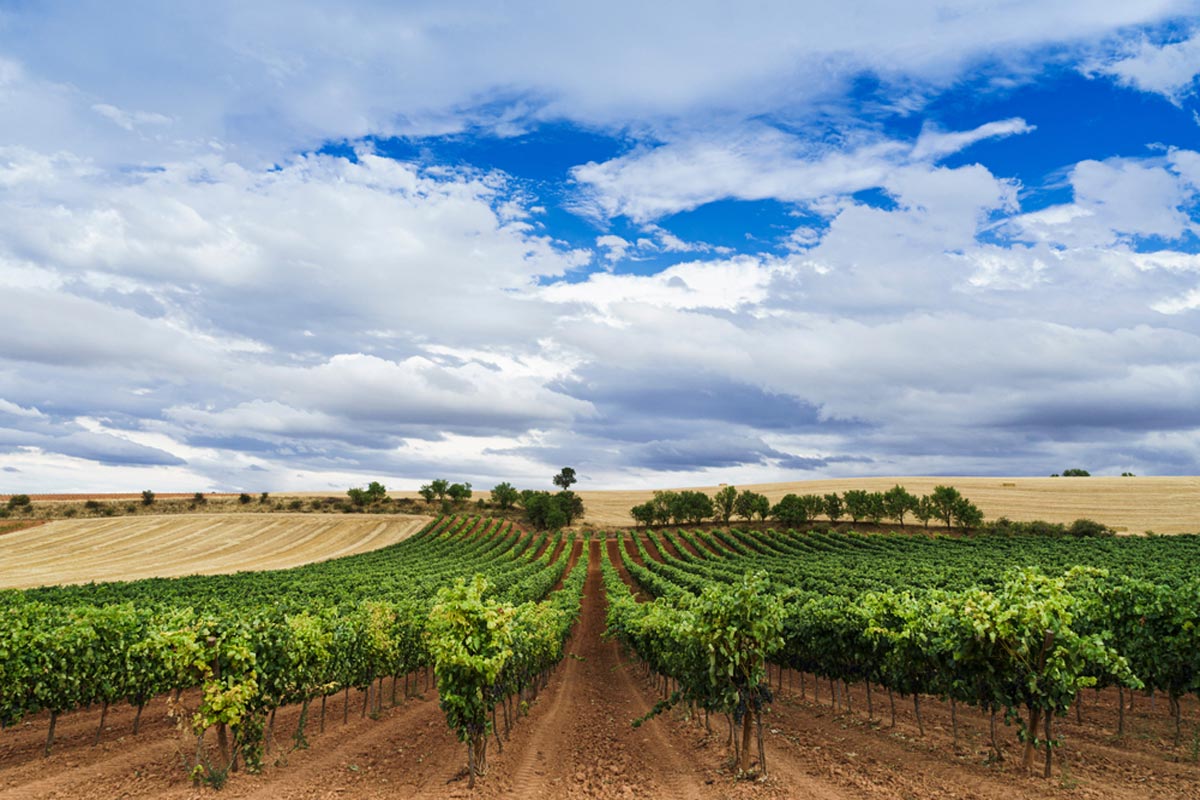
1132,505
128,548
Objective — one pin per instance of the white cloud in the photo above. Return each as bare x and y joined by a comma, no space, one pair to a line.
760,163
1118,198
1167,69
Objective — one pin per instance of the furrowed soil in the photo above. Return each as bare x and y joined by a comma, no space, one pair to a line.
577,741
128,548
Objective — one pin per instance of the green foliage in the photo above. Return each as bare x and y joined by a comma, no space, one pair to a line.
244,499
147,497
834,509
459,492
199,499
752,504
898,502
565,478
724,502
944,500
435,490
790,511
505,496
19,502
1076,473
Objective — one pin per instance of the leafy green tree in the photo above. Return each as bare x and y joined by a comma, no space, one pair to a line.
505,496
19,501
664,504
876,509
565,478
376,492
570,504
944,499
752,504
147,497
924,510
790,511
857,503
691,506
833,506
244,498
357,496
898,502
643,513
459,493
966,514
1076,473
723,503
199,499
814,505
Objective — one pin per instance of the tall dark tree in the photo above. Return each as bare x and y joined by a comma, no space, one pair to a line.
565,478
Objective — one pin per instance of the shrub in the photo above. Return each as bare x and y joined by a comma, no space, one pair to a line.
19,501
262,498
243,498
92,505
1089,527
147,498
199,499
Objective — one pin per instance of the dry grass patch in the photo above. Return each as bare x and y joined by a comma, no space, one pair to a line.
129,548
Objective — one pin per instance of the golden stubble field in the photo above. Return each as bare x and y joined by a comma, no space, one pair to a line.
1132,505
128,548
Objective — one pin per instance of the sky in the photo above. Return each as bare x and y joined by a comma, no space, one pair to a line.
297,246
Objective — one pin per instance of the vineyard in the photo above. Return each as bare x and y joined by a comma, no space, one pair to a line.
818,664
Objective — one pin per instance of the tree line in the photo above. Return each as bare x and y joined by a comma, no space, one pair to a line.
944,504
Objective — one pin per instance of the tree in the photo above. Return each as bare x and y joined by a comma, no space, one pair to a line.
857,502
790,511
147,497
943,499
723,503
1076,473
199,499
691,506
750,504
459,492
664,504
570,504
833,506
643,513
924,510
966,514
19,501
565,478
244,498
875,508
505,496
897,502
434,490
376,492
814,505
357,496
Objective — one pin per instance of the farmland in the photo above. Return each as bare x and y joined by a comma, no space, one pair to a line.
78,551
825,734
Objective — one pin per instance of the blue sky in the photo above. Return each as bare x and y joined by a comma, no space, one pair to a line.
286,246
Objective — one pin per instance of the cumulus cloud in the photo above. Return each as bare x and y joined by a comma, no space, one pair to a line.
1168,69
761,162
